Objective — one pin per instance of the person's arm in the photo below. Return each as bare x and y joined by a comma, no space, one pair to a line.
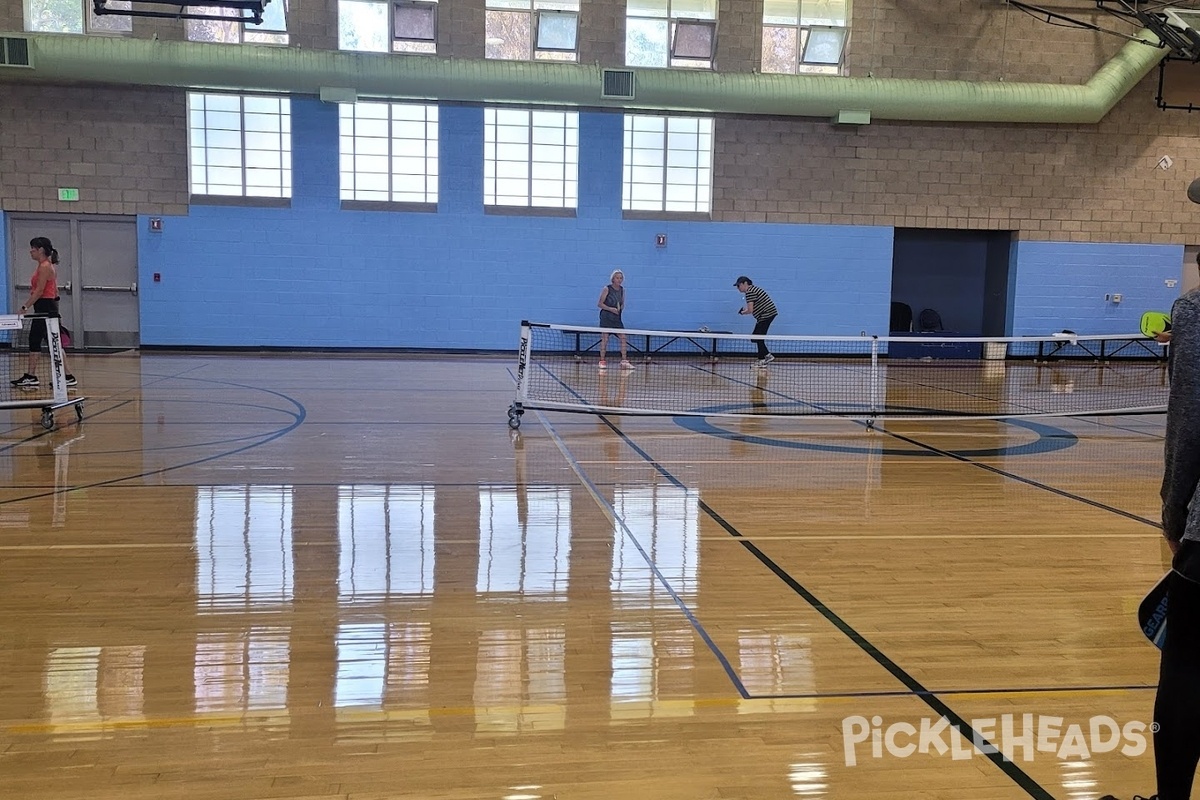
40,279
1181,451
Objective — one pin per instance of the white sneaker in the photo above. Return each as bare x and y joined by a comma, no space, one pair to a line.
768,359
603,365
626,365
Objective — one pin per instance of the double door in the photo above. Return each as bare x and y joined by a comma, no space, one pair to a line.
97,273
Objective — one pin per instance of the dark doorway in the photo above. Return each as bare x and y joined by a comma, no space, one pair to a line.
962,276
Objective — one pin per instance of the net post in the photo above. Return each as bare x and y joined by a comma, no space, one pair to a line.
875,376
58,375
524,353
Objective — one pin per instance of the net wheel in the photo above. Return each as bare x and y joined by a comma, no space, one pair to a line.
47,419
79,411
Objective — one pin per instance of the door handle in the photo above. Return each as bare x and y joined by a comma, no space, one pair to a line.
130,288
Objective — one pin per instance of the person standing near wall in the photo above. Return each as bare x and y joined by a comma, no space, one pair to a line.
611,304
759,306
43,299
1177,703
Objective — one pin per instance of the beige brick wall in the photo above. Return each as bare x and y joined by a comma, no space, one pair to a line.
461,26
1066,183
739,35
976,40
12,15
124,149
1049,182
602,32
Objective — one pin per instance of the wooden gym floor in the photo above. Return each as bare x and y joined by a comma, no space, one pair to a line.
334,577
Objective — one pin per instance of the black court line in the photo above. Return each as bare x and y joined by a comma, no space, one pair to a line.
730,672
915,688
1027,481
298,417
1009,768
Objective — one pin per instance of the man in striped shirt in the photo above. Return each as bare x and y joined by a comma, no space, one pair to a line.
759,306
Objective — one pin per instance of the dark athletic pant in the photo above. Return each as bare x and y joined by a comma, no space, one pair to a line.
760,330
1177,704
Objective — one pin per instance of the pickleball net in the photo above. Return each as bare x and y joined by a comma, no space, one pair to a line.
713,373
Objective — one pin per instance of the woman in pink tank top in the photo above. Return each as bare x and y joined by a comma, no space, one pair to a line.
43,299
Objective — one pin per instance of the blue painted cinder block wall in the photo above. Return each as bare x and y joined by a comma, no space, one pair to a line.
1062,286
313,275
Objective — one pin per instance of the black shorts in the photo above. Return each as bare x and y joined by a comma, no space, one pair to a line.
37,328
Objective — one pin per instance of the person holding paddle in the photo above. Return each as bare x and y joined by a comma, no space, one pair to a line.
611,304
1163,335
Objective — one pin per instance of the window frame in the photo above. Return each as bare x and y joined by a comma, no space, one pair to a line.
536,50
628,164
86,21
241,28
392,204
673,21
425,5
711,24
803,36
244,198
393,39
569,185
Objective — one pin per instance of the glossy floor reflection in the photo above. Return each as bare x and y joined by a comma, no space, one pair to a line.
310,577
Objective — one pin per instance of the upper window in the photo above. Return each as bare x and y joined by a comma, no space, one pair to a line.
241,145
272,30
389,152
76,16
668,164
805,37
530,158
670,33
382,26
528,30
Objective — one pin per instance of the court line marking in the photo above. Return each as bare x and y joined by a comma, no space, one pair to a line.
1014,772
882,426
617,519
298,415
964,728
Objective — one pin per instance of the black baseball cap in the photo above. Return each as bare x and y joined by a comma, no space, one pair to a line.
743,279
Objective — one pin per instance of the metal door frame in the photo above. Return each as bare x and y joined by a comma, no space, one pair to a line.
73,285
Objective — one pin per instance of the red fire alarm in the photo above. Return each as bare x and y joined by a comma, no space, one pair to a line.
660,240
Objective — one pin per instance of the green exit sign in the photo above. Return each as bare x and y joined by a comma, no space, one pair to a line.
68,195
